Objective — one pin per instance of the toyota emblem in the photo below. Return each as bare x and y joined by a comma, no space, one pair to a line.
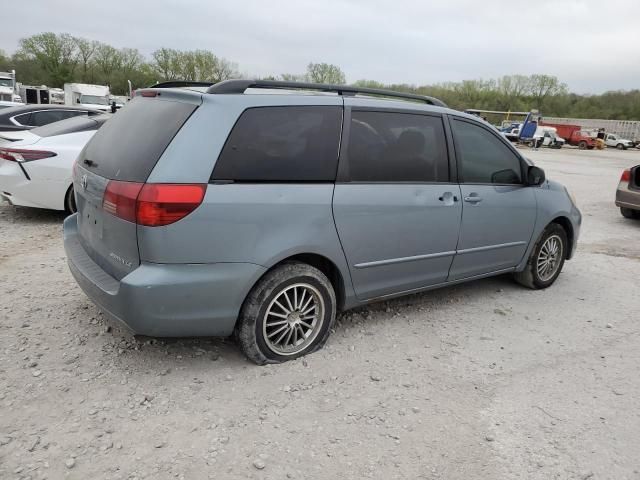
84,181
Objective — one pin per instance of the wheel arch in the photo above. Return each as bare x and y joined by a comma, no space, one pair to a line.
326,266
565,223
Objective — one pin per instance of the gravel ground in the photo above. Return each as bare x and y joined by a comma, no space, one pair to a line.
485,380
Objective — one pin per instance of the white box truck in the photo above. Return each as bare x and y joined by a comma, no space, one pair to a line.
90,96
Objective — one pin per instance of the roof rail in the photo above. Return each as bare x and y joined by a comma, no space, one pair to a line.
180,84
239,86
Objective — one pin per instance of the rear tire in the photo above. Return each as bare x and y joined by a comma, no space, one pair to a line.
629,213
288,313
546,260
70,201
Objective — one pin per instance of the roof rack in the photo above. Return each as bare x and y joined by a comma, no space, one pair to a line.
181,84
239,86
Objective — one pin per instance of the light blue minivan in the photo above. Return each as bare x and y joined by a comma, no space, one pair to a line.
263,208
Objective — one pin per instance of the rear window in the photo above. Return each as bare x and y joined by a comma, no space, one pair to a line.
71,125
129,145
282,144
45,117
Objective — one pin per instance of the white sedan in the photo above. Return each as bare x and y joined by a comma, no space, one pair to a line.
37,171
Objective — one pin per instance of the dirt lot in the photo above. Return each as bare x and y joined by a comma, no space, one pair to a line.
480,381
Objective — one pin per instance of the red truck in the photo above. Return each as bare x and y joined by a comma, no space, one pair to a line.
573,134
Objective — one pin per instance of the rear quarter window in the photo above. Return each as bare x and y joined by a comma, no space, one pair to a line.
128,146
71,125
282,144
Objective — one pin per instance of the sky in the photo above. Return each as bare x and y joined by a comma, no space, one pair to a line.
592,46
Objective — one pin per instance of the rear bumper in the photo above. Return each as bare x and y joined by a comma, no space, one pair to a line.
165,300
21,189
627,198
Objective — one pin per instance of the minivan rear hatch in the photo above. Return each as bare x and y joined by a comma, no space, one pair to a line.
110,171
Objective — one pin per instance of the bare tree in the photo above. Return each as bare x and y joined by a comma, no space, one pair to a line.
86,50
542,86
108,60
325,73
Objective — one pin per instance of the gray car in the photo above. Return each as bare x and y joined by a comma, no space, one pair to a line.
628,193
231,209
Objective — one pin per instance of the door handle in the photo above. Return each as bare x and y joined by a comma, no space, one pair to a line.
473,199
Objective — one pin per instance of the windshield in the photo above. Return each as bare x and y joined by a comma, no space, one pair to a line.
6,82
94,99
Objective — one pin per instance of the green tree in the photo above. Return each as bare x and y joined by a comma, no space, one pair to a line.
4,60
167,62
55,54
325,73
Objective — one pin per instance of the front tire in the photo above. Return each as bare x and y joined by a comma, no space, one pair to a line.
546,260
621,147
582,145
288,313
629,213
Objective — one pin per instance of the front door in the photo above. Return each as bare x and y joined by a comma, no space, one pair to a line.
498,209
396,211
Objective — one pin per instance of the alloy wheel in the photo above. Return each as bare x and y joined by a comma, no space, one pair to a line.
293,319
549,258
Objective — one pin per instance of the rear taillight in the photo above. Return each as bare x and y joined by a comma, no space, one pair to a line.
23,155
152,204
163,204
120,199
626,176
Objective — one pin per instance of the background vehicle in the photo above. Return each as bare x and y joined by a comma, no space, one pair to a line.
628,193
4,104
573,135
512,132
288,218
85,95
548,137
27,117
8,87
616,141
36,172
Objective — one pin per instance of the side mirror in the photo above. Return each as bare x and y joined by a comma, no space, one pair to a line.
535,176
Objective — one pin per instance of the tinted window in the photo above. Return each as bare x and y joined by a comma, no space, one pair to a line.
483,157
397,147
46,117
23,119
70,125
128,146
282,144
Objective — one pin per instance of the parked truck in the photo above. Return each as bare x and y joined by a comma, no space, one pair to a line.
31,94
91,96
616,141
8,87
573,135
